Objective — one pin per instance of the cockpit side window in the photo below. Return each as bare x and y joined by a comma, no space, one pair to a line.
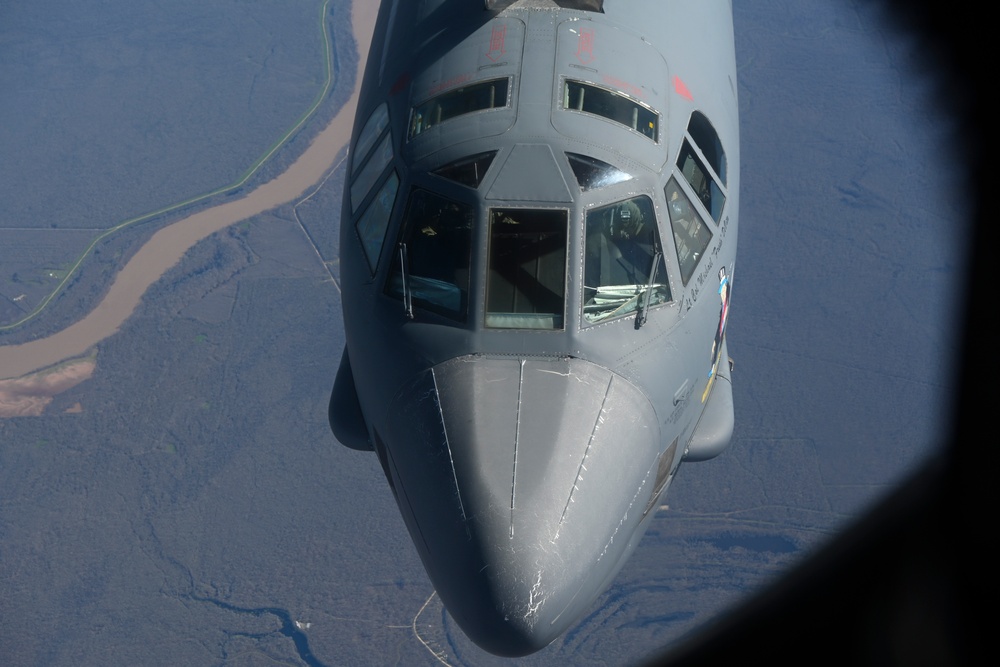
705,136
612,105
691,234
479,96
526,283
374,222
701,181
372,130
430,268
369,174
621,244
368,164
700,148
372,154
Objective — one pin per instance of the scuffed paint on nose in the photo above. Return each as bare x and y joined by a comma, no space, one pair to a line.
522,482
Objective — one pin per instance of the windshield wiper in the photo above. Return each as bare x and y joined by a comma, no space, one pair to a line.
405,272
640,316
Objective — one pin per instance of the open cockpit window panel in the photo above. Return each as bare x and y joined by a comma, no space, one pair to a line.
370,133
468,171
614,106
593,173
481,96
691,234
370,173
701,180
622,243
374,222
430,267
707,140
526,283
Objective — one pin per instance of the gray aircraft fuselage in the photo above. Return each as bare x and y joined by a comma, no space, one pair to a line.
537,248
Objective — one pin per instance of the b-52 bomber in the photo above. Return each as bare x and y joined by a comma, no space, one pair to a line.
537,253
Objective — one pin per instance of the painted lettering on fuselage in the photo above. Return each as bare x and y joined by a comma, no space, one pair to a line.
497,39
585,46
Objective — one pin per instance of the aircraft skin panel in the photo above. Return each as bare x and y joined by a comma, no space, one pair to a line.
346,419
715,427
541,339
525,499
530,173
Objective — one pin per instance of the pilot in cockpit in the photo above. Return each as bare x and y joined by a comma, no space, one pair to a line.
620,247
628,245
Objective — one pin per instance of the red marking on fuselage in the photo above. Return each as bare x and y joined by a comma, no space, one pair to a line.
449,83
402,82
681,89
624,86
585,46
497,42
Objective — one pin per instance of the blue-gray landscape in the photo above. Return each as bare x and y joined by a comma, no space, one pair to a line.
187,504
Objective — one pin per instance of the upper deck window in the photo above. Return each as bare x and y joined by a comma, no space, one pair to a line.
614,106
480,96
431,267
526,284
621,245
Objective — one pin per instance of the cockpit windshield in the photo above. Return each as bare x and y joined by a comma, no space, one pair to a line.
430,268
592,173
468,171
621,245
526,283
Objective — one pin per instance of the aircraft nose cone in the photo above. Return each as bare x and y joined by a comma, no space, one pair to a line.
522,482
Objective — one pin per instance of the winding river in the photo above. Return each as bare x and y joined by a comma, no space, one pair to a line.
167,246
